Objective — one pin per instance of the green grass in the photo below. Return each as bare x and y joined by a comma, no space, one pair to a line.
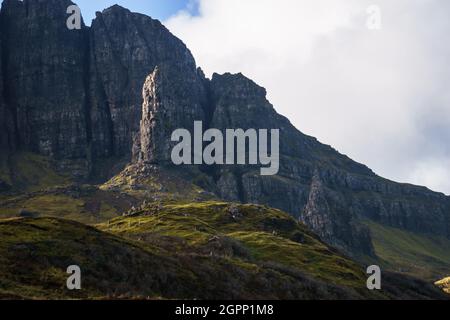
28,172
207,250
427,257
86,205
316,259
34,254
37,187
269,235
158,183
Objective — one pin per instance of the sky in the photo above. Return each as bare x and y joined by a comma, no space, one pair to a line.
158,9
379,96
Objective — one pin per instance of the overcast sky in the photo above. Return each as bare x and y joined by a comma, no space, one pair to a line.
381,97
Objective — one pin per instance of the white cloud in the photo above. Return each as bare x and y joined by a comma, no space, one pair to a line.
378,96
433,172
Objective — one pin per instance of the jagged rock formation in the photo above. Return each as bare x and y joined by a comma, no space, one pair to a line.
172,99
76,95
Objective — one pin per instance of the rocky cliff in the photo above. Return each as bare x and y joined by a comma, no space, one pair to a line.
120,87
5,117
43,70
76,95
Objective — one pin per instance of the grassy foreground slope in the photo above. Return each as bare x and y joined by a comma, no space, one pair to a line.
34,254
184,251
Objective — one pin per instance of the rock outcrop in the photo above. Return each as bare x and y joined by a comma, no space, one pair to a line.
77,96
172,99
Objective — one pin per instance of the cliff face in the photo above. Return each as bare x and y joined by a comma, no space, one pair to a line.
43,70
77,96
5,118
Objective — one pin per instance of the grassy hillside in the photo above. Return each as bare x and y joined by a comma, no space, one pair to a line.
28,172
86,204
184,251
34,254
154,183
427,257
32,185
258,235
261,233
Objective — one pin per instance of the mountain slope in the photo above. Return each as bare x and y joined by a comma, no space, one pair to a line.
411,253
157,254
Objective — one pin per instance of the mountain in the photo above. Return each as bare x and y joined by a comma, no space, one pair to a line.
98,105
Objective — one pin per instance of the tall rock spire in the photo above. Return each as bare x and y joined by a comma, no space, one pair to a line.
172,100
